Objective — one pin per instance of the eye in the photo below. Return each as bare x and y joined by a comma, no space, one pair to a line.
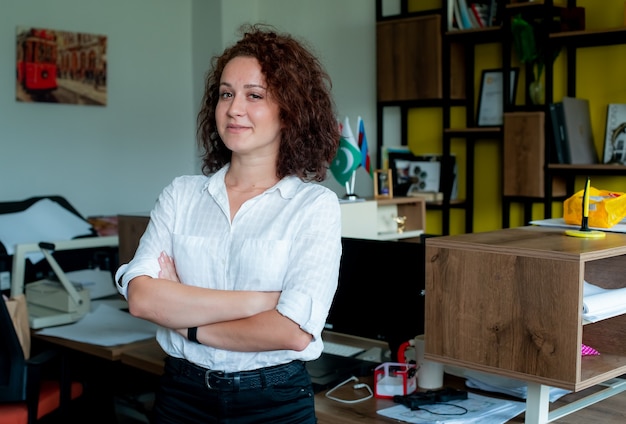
225,95
255,96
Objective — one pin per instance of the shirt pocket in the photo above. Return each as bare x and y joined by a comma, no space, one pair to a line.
260,264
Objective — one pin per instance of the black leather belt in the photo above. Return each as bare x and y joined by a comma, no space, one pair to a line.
241,380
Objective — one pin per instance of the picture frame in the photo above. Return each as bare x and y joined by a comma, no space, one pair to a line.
615,136
383,187
428,173
490,110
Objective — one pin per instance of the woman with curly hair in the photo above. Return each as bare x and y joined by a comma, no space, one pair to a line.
239,266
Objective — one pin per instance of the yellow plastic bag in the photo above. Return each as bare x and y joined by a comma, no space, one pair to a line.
606,208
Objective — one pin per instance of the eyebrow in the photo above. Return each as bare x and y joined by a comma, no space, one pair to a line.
245,85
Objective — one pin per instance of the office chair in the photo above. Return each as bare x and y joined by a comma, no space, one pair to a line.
25,395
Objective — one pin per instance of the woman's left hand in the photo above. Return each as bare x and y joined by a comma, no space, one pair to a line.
168,269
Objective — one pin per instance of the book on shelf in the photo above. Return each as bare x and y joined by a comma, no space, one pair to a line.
578,130
476,9
615,136
465,17
472,17
559,141
450,17
457,15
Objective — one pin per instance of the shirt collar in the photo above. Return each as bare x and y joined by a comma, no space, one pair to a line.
287,187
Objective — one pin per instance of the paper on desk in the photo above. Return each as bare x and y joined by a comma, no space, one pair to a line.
105,326
99,282
599,303
480,409
620,227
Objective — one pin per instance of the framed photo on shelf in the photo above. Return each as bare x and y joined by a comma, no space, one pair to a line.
383,188
490,99
413,174
615,137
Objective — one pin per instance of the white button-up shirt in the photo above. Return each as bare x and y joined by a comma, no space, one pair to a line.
286,239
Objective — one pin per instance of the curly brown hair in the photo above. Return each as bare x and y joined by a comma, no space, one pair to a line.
300,86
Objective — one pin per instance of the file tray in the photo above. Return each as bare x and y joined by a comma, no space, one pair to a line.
394,378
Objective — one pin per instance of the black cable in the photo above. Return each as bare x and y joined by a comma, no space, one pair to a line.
464,410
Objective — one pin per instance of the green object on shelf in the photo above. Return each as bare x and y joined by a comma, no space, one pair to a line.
525,45
523,40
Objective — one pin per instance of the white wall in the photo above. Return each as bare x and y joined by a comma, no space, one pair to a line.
117,158
343,34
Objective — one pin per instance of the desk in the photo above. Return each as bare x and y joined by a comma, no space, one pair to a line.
147,356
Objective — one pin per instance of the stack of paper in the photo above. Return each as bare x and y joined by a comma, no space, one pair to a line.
599,303
105,326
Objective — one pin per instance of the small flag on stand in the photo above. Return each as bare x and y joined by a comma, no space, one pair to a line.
347,159
366,162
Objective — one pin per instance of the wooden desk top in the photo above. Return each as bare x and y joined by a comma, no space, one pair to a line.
112,353
148,357
329,411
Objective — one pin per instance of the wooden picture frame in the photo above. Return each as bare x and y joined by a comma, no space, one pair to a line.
615,135
490,110
383,184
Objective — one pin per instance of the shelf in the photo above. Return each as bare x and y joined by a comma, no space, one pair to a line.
475,36
487,132
597,169
589,38
400,236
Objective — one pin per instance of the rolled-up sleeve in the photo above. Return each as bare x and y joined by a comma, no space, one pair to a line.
312,278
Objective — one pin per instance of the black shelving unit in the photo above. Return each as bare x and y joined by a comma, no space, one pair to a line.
471,134
568,43
467,40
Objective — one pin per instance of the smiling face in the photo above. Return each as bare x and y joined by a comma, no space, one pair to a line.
248,120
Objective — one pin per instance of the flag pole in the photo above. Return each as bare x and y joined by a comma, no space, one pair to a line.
350,195
352,181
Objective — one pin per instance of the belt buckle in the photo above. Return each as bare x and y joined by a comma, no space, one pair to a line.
207,377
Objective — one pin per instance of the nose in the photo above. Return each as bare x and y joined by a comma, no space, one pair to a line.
237,106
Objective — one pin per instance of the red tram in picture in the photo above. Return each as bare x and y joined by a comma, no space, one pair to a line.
37,60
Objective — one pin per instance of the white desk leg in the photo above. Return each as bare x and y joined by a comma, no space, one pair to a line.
537,404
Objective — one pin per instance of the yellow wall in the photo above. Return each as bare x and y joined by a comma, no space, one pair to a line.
600,79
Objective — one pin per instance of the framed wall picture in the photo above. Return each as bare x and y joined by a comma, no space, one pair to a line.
490,98
57,66
383,187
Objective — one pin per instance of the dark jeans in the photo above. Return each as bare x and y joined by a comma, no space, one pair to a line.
276,395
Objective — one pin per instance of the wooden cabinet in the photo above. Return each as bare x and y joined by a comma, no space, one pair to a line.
130,230
524,156
409,60
509,302
376,219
